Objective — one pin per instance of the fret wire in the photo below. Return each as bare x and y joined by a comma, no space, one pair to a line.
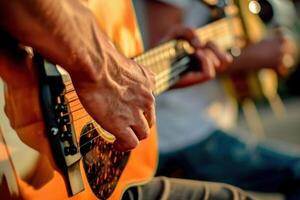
154,53
218,30
204,36
149,62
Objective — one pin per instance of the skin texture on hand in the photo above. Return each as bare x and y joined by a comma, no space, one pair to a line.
114,90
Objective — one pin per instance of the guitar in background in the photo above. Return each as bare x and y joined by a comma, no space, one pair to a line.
260,18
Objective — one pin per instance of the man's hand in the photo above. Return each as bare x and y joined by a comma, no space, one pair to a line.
209,57
120,100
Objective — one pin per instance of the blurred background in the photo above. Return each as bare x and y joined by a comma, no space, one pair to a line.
244,127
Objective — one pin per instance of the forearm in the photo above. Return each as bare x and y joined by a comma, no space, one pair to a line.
245,61
65,32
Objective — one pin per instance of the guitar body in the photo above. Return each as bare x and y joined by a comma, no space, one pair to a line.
31,169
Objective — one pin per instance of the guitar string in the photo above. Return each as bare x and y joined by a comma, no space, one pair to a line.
90,141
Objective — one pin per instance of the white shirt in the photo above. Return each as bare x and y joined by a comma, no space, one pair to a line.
189,115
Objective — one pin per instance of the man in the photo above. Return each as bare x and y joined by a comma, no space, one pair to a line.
196,140
111,87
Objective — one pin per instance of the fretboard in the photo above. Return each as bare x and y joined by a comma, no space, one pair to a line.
170,60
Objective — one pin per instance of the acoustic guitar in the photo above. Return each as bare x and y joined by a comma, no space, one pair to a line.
74,148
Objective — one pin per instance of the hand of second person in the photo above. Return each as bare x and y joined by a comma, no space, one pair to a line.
211,59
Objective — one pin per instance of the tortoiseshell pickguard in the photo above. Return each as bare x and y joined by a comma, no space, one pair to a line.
103,165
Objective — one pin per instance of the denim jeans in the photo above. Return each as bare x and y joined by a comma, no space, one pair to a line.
226,158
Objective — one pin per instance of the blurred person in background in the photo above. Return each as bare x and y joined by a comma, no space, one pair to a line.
195,124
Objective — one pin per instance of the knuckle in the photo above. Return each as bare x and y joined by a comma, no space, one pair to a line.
212,45
141,129
151,99
151,121
144,136
186,33
131,144
150,117
120,127
128,144
149,102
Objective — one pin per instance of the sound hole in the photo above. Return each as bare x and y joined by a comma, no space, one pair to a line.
102,164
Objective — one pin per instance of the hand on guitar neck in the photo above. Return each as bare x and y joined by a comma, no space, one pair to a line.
209,59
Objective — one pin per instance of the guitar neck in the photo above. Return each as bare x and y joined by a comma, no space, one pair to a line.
170,60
